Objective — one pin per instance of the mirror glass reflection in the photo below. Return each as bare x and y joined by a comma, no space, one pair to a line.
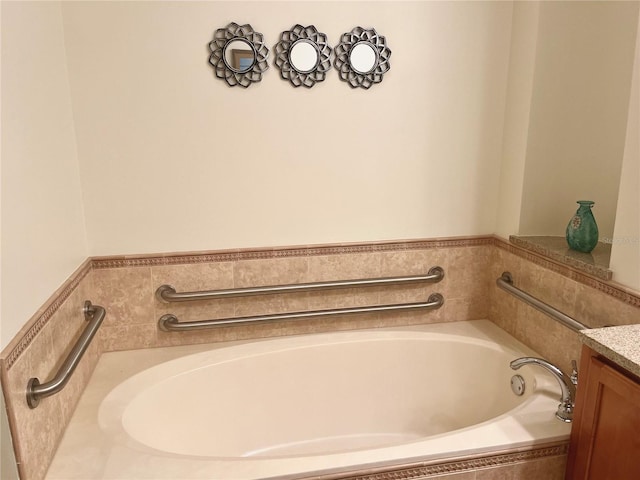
303,56
239,55
362,57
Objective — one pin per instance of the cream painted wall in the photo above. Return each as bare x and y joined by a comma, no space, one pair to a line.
8,467
625,248
43,230
524,37
579,106
173,159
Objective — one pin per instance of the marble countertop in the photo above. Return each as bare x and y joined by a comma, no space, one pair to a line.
595,263
620,344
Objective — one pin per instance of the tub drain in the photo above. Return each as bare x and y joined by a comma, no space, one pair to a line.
517,385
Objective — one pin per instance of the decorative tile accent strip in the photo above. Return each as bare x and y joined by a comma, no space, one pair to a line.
43,318
107,262
285,252
268,253
220,256
611,290
415,472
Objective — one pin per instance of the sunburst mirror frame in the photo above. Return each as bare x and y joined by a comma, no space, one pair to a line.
223,38
283,49
342,62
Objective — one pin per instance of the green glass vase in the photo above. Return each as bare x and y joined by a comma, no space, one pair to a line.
582,231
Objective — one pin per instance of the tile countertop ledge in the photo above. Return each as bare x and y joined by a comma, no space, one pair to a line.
619,344
595,263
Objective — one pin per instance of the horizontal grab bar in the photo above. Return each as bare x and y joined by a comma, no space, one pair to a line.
35,390
170,323
505,282
166,293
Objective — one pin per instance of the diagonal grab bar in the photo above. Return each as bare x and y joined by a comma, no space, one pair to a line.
36,390
167,294
170,323
505,282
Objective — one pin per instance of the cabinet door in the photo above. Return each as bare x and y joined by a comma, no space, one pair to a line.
606,445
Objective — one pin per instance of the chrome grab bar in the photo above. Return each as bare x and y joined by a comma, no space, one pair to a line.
170,323
505,282
167,294
94,314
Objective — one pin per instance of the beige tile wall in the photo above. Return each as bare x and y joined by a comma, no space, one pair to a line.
51,334
547,462
128,292
126,286
548,468
593,302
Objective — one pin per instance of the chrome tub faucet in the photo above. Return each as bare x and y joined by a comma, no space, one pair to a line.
567,384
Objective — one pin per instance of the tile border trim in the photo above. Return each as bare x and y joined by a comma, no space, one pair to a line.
418,471
569,272
24,338
355,248
40,319
284,252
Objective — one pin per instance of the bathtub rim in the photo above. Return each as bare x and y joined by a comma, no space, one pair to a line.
483,329
422,468
115,405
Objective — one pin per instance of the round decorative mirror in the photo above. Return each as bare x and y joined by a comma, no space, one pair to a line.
303,56
238,55
362,57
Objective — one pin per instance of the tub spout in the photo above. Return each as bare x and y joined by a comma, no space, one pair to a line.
565,409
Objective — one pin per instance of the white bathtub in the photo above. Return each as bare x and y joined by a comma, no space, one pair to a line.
295,406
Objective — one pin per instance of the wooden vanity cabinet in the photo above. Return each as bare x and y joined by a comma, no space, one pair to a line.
605,435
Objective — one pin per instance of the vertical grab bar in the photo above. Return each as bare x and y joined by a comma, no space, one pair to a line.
36,390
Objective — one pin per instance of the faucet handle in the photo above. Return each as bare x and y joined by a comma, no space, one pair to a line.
574,372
